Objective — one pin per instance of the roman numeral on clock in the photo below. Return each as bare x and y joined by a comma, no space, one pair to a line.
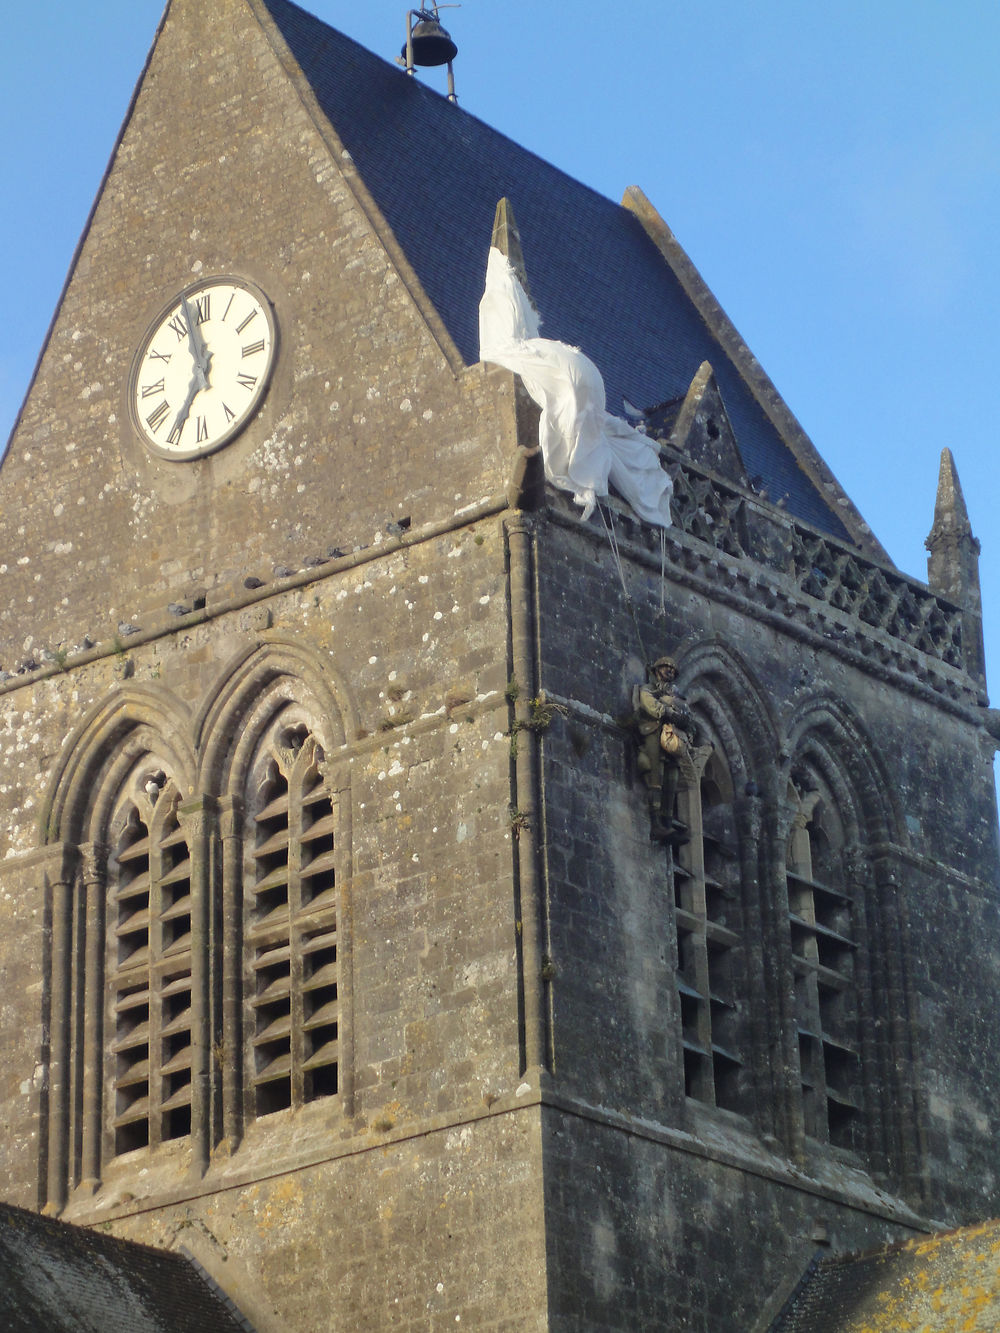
201,426
149,389
248,381
252,349
249,319
179,327
175,433
230,414
156,418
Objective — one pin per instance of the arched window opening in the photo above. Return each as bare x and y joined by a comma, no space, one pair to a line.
149,968
291,924
709,923
821,914
193,890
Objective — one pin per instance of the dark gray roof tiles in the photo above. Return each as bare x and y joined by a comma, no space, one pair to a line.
934,1284
437,173
68,1279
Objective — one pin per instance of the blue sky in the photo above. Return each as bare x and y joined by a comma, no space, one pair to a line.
833,171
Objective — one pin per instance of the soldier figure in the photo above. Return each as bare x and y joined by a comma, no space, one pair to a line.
667,731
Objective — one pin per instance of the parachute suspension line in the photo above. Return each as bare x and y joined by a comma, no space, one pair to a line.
663,574
609,527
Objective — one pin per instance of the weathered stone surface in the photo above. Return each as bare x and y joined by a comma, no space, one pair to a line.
532,1128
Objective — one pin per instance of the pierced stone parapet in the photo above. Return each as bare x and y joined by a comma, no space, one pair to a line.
812,577
821,568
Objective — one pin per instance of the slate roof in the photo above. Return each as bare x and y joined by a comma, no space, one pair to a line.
68,1279
936,1285
437,173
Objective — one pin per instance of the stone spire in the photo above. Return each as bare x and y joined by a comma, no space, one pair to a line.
507,239
526,485
953,562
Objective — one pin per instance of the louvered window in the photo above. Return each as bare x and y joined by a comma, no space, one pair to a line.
708,922
291,934
149,972
821,917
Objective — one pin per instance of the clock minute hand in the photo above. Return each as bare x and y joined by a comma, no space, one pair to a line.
198,382
201,357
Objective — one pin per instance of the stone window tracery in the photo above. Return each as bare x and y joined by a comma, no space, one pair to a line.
291,947
149,970
823,926
195,952
709,926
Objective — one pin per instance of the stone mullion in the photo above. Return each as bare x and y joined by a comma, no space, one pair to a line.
94,884
336,778
229,909
296,1040
788,1091
155,979
197,819
812,1016
77,1018
872,1072
758,1031
698,906
60,1024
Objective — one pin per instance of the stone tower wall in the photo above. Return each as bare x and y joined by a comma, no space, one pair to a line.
762,668
527,1132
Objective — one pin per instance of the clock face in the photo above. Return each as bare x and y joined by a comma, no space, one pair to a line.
203,368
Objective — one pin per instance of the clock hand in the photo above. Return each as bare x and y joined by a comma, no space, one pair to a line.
201,356
198,382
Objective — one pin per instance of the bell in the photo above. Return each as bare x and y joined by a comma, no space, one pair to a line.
430,44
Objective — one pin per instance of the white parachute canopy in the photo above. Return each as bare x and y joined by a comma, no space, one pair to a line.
583,445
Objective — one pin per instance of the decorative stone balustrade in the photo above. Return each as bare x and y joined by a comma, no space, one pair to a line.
821,567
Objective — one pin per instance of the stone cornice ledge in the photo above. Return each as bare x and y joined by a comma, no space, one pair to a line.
866,1198
934,870
488,507
226,1176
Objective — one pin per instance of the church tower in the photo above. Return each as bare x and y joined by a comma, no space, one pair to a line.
365,931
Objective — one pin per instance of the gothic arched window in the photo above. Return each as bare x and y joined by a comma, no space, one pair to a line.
708,916
195,962
290,933
149,932
823,924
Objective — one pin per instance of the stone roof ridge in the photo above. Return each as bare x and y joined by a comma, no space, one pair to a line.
786,423
266,14
417,88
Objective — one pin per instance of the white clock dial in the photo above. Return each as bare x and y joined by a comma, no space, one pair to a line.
203,368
